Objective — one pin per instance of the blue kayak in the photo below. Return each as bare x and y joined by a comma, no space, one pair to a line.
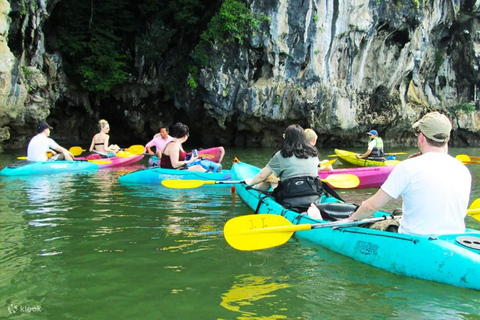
452,259
156,175
25,168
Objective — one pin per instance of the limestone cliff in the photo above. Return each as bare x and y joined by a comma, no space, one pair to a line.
344,67
339,67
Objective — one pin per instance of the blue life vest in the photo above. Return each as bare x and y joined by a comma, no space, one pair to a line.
207,165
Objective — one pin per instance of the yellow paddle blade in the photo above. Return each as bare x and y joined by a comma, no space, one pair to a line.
136,149
392,162
100,161
466,159
259,231
22,158
205,155
342,181
76,151
475,204
185,184
327,163
463,158
474,213
124,154
474,209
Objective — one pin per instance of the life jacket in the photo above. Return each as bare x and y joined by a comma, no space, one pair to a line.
297,193
208,165
377,151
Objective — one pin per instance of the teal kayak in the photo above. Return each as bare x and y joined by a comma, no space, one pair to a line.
25,168
156,175
452,259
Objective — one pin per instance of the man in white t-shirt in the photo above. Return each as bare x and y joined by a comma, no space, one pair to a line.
159,141
41,144
435,187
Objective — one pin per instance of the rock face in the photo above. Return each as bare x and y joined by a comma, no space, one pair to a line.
339,67
345,67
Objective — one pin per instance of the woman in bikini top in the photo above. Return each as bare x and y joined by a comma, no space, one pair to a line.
100,140
173,155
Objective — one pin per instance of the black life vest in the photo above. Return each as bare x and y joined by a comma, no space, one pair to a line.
297,193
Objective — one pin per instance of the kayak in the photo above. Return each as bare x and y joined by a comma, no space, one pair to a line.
156,175
349,158
125,159
24,168
214,154
370,177
451,259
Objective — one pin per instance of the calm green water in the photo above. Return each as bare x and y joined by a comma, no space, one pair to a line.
82,246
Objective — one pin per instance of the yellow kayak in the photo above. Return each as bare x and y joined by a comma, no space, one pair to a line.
349,157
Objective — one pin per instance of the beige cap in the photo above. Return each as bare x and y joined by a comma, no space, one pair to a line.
434,126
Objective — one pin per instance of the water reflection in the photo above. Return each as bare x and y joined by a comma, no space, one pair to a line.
248,289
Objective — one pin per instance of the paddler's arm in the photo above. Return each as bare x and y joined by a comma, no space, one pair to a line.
366,154
149,145
371,205
260,177
66,153
150,152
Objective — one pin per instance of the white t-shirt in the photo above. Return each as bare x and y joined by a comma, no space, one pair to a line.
436,190
38,147
372,144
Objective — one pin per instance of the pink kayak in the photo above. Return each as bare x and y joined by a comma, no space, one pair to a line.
116,161
370,177
214,154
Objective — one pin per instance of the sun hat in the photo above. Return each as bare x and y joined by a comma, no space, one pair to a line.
434,126
371,132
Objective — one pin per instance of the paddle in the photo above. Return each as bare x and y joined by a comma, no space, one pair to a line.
465,159
136,149
340,181
191,184
97,161
262,231
76,150
354,155
49,155
474,209
327,163
391,162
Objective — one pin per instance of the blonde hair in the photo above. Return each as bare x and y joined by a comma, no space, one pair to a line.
310,135
102,123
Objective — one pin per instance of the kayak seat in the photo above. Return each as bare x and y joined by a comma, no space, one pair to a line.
334,211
